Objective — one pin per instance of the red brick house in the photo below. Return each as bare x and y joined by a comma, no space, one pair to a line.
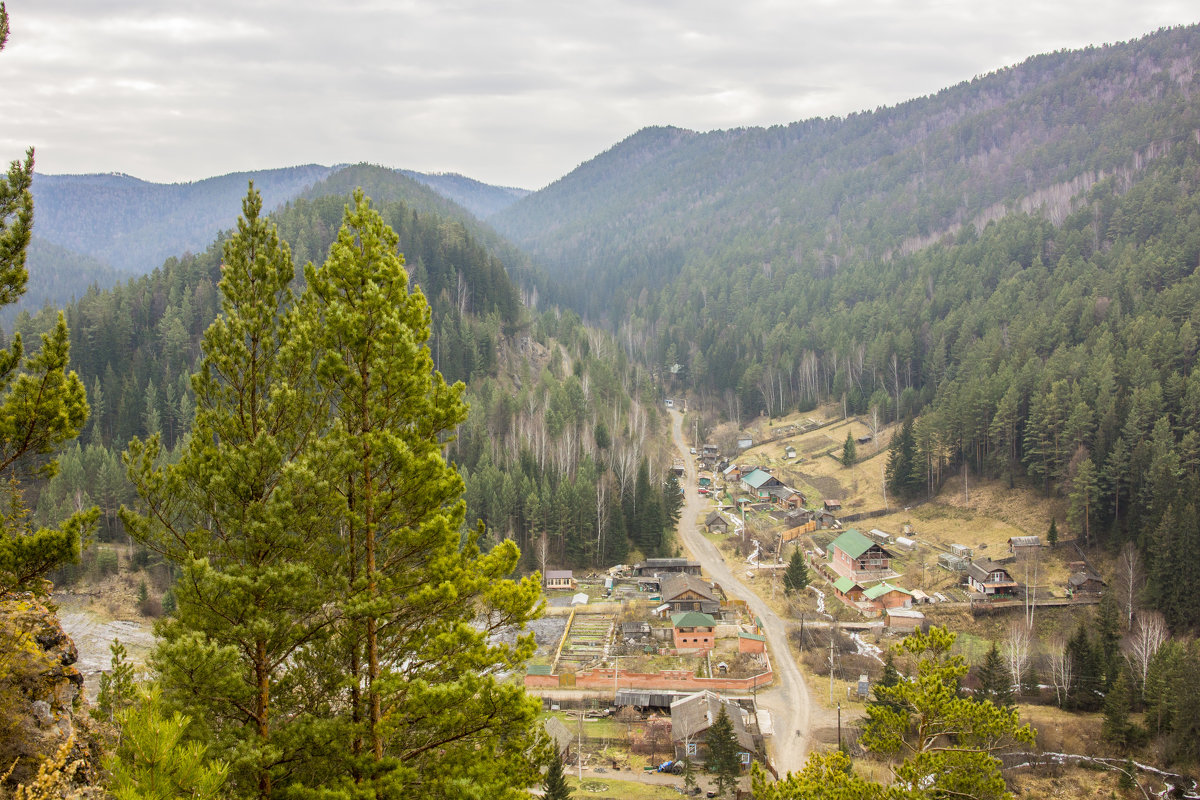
854,556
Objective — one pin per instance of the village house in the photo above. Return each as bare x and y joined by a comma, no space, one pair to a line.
903,619
716,523
786,496
884,596
848,589
560,579
854,556
689,593
1085,583
990,579
758,483
732,473
692,716
693,630
832,506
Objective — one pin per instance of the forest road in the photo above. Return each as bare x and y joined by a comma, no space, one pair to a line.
788,699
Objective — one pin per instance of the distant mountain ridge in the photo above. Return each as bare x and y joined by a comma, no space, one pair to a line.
134,225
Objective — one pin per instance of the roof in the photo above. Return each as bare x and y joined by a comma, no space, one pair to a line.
676,583
844,584
757,478
1080,578
558,732
882,589
907,613
651,563
1025,541
714,517
692,619
694,714
853,543
755,636
562,574
981,569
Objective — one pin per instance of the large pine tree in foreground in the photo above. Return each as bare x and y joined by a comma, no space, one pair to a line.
332,634
244,515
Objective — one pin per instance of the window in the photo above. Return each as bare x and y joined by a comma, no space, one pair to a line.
745,758
691,748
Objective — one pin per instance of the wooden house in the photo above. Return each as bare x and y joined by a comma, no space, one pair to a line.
716,523
758,483
990,579
689,593
693,715
1085,583
885,595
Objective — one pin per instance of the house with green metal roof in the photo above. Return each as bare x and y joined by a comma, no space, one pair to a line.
848,589
759,482
852,555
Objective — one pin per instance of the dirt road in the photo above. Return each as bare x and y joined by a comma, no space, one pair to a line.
788,700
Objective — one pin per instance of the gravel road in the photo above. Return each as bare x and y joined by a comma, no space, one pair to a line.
788,700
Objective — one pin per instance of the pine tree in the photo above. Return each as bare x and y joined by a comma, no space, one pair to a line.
1052,534
723,752
154,761
795,579
1117,727
116,685
948,740
555,786
995,681
424,709
257,581
849,451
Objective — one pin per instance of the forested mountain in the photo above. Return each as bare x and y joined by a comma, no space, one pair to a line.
1013,260
134,225
756,208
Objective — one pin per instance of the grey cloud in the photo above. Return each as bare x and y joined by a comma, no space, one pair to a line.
510,92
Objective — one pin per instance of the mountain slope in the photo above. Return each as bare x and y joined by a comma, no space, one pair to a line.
809,197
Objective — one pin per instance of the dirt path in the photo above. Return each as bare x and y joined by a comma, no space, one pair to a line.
788,701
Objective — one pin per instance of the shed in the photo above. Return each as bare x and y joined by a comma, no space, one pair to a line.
1085,583
1020,544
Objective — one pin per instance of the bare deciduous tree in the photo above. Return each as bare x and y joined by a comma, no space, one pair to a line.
1146,636
1130,578
1018,645
1062,667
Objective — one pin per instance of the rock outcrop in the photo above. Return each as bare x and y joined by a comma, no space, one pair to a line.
41,700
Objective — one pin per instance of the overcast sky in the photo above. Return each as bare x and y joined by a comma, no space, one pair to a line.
508,92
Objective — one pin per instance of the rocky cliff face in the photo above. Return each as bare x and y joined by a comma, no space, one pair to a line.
41,702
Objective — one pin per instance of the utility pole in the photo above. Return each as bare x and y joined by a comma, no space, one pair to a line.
839,725
831,661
